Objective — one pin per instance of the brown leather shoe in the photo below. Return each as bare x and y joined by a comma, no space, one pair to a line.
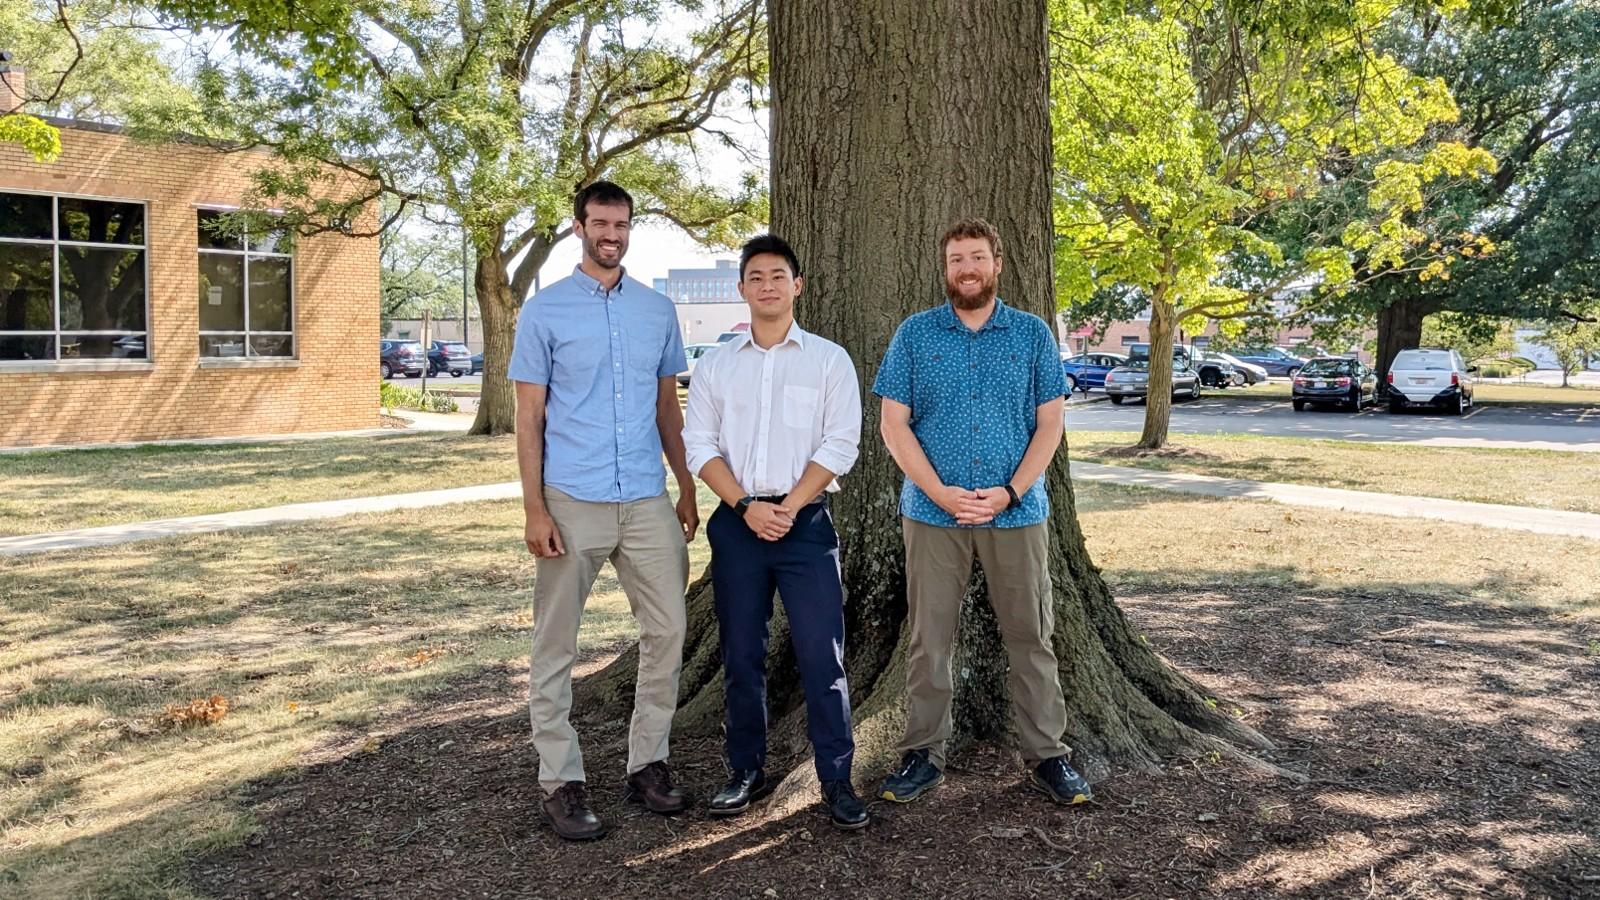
652,786
568,812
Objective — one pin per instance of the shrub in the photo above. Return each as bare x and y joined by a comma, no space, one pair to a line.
393,397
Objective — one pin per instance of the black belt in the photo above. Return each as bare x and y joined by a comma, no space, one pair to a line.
777,499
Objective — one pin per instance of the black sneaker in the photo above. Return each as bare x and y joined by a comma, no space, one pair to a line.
1061,781
844,807
916,776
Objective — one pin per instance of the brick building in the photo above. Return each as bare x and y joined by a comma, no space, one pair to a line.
123,318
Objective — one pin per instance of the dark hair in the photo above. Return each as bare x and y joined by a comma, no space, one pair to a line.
971,228
768,243
603,192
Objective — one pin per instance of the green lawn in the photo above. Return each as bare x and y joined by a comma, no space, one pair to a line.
1489,394
1542,478
84,488
320,634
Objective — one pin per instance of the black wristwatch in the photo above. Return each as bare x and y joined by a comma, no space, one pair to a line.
743,506
1015,500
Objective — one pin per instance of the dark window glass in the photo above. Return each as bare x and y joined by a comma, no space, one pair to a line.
15,347
211,238
224,345
101,221
269,295
101,290
1329,367
25,216
271,345
102,346
27,299
275,241
221,292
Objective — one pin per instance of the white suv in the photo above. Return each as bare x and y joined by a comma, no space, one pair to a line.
1430,377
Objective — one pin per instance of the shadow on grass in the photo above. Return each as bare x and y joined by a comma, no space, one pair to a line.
1452,749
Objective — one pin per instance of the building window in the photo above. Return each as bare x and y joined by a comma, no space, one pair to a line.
246,292
72,279
1128,340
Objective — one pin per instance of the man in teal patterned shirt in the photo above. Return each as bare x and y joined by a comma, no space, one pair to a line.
972,413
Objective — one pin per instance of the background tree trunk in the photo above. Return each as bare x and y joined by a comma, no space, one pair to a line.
1158,392
890,120
498,306
1399,328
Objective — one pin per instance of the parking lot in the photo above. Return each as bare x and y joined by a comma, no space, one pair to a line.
1536,427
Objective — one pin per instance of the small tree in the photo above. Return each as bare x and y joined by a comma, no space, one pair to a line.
1575,344
1474,337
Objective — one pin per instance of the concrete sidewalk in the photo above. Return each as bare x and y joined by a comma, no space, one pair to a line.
108,535
419,421
1485,515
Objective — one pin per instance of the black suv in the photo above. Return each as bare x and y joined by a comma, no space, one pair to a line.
449,356
401,358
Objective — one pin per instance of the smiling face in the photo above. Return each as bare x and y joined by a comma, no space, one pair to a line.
770,287
971,272
604,233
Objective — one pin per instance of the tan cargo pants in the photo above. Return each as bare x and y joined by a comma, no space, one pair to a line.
644,541
1016,564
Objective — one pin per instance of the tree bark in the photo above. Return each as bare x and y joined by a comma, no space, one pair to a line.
1399,328
889,121
1158,392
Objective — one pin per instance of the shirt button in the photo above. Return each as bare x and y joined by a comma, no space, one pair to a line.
974,395
974,429
977,461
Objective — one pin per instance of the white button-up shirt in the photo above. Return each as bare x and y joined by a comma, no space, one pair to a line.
768,413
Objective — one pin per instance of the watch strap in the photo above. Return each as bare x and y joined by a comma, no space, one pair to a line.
1015,500
743,506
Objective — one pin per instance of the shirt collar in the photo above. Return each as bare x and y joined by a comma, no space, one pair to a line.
999,318
796,336
583,280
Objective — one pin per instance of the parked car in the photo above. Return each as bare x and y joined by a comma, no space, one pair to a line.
730,335
1430,377
449,356
1088,370
1130,380
477,364
1276,360
1250,372
1335,380
401,357
1213,373
693,353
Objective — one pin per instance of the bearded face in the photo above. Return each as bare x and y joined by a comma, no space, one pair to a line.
971,272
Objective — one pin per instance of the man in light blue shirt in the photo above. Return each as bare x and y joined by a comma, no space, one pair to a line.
596,362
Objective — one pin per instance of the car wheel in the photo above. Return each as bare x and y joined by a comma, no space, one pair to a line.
1396,406
1292,370
1355,400
456,373
1299,405
1194,390
385,371
1459,408
1116,399
1072,384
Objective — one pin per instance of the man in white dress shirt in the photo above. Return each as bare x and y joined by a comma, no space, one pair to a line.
774,417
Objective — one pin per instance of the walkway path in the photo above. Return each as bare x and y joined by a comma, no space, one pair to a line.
1486,515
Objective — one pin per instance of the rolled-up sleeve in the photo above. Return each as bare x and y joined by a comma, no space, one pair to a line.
702,421
841,416
1050,381
530,352
894,373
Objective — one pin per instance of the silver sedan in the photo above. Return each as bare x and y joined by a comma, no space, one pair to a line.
1130,381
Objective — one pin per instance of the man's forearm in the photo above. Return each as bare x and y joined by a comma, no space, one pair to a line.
719,478
669,422
910,457
530,459
813,481
1041,449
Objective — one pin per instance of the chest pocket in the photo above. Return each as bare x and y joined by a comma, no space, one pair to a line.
1010,374
800,406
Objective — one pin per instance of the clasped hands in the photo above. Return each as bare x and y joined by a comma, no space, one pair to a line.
974,507
769,521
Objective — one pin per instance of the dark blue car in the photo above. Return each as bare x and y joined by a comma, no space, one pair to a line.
1276,360
1088,370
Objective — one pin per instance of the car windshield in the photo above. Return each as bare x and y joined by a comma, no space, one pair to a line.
409,345
1329,367
455,348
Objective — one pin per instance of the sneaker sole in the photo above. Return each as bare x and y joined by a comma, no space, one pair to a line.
846,826
545,817
1036,784
893,798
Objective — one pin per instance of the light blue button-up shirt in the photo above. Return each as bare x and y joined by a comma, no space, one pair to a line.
600,354
973,398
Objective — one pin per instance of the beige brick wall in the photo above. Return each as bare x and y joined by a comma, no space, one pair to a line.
333,386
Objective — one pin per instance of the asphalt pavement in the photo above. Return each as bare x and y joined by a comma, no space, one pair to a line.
1529,427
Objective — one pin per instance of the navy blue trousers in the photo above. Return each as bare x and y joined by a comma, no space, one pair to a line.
804,568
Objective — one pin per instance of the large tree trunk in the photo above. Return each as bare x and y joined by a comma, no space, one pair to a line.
498,307
890,120
1399,328
1158,392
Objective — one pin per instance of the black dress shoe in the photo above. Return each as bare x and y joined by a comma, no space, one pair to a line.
743,788
845,809
568,812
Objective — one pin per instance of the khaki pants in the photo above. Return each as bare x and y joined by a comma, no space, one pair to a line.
644,541
1016,565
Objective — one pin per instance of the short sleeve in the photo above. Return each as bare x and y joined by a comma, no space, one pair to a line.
530,353
1049,380
894,373
673,362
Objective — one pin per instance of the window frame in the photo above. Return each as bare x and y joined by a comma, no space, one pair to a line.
55,243
245,254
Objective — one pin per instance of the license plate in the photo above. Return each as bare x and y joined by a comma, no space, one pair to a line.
1319,384
1422,381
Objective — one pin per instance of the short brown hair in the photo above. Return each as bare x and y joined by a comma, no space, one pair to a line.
971,228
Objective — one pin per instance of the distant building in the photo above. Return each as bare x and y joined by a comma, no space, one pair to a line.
708,300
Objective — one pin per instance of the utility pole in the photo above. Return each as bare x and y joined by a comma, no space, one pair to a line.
466,327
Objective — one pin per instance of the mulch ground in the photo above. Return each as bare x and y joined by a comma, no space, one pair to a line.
1454,751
